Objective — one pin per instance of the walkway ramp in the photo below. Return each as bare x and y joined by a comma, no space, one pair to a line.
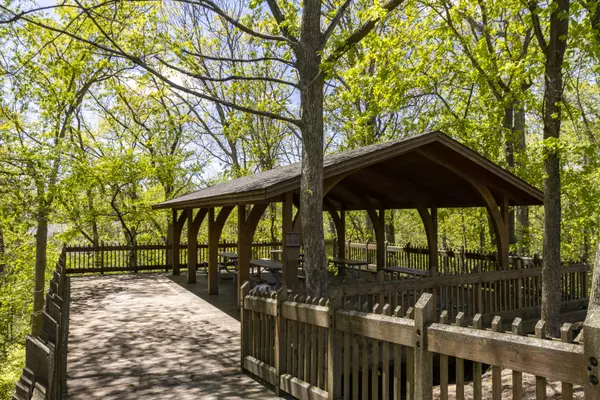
152,336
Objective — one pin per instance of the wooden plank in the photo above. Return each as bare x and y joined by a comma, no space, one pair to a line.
460,362
496,370
566,336
261,305
541,381
300,389
376,326
517,376
346,367
443,364
477,366
260,369
536,356
306,313
424,315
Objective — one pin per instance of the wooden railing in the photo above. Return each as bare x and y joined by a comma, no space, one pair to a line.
510,293
317,349
450,262
146,257
45,372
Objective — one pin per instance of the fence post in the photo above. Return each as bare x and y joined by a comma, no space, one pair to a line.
424,315
280,339
102,258
519,263
244,324
367,251
334,350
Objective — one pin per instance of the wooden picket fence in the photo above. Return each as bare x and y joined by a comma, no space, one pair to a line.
323,349
509,293
145,257
45,372
450,262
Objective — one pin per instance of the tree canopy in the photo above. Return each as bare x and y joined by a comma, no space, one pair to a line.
108,107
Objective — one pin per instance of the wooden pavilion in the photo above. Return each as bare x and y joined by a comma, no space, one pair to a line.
423,172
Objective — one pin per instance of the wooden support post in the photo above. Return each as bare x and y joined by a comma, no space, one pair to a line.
334,351
215,227
540,381
424,316
244,247
433,247
247,223
591,351
192,239
566,336
517,376
213,254
431,230
505,258
380,235
244,324
280,340
496,370
341,235
289,255
174,244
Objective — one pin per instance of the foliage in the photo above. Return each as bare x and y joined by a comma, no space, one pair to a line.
94,131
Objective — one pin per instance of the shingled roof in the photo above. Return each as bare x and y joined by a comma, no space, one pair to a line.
430,168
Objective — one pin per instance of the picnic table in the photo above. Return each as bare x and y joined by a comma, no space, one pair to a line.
355,266
273,266
407,271
229,258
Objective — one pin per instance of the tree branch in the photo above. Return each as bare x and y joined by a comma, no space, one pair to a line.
533,6
336,20
139,62
227,78
280,19
360,33
209,5
239,60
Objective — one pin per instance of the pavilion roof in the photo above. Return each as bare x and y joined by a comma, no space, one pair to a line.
429,169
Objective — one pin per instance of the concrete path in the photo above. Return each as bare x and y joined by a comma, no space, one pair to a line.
151,336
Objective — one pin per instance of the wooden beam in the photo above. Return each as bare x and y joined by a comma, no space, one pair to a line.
536,356
290,255
177,229
430,224
193,228
247,223
483,190
192,242
378,220
215,228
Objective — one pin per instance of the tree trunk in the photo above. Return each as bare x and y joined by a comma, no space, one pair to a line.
41,244
522,229
312,85
509,151
595,292
390,228
559,26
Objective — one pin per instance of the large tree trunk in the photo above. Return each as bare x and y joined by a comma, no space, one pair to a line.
41,244
559,26
509,152
522,211
595,292
312,85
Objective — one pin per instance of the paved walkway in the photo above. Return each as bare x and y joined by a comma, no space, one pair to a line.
151,336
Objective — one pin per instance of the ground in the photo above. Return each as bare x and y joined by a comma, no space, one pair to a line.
152,336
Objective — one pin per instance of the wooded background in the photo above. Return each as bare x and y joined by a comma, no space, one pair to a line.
108,107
